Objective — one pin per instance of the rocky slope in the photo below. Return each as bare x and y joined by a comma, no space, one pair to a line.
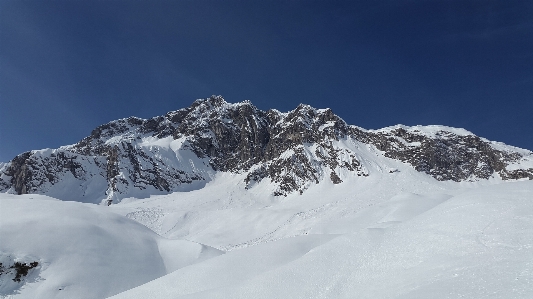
184,149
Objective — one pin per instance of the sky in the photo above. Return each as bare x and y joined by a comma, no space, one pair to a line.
67,67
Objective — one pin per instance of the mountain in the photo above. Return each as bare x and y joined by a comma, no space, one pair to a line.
221,200
184,149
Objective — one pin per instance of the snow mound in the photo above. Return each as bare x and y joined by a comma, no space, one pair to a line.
83,250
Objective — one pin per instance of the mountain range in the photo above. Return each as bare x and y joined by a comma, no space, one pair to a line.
222,200
183,149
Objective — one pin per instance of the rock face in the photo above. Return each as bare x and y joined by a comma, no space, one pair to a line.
183,149
446,155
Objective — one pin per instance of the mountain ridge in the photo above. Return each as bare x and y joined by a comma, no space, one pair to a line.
183,149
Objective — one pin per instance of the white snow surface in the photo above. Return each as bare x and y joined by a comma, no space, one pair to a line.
83,250
393,238
396,234
429,131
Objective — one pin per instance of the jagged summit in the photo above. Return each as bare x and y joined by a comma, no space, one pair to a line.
291,151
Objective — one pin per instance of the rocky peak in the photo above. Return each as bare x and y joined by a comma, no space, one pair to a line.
294,150
233,136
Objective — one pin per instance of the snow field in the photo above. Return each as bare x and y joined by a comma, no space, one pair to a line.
84,250
476,244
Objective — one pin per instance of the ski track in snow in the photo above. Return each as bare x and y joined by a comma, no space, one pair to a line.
271,236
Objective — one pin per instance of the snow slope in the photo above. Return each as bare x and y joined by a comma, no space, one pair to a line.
82,250
457,242
399,234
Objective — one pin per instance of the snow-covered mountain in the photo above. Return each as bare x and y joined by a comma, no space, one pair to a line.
289,152
223,200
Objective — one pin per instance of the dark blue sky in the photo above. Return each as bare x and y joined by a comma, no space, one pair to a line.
69,66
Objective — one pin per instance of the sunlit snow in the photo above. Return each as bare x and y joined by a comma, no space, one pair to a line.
395,234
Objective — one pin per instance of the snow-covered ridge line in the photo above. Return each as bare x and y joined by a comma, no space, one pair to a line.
430,130
183,149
